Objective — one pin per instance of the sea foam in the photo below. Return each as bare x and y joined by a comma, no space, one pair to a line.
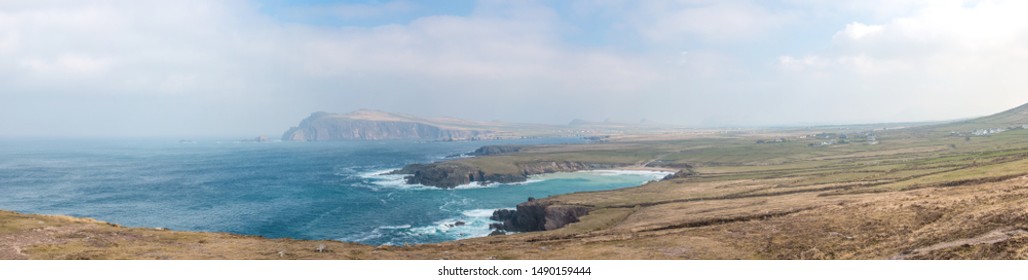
620,172
382,178
476,224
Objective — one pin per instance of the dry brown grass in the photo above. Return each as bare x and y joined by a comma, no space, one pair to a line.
972,221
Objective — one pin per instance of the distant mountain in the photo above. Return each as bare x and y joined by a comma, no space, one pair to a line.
377,125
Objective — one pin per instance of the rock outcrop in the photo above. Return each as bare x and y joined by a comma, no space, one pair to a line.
681,174
497,149
373,125
449,174
537,215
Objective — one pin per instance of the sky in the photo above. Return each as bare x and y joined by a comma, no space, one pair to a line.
231,68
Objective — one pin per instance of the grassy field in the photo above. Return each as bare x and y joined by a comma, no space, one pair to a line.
934,192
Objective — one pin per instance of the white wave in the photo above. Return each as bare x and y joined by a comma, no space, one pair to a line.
476,224
378,232
620,172
454,203
479,213
382,178
376,173
476,185
531,180
479,185
395,227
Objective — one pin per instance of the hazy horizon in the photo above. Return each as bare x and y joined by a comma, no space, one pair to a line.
245,68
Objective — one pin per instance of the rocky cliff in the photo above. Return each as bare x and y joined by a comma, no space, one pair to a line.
536,215
374,125
449,174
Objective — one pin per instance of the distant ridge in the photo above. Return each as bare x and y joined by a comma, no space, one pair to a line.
1010,119
367,124
1015,116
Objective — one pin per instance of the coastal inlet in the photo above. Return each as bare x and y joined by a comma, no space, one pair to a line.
323,190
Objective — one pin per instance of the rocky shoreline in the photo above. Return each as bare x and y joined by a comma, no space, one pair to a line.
536,215
533,215
450,174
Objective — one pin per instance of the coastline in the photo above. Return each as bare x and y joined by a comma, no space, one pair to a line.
467,171
478,225
916,193
16,241
49,233
327,222
870,213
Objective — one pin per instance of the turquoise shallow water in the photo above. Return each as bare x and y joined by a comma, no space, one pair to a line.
298,190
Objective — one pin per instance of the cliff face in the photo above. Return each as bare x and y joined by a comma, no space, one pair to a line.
536,215
452,174
380,126
448,175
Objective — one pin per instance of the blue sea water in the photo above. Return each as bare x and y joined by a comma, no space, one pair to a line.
335,190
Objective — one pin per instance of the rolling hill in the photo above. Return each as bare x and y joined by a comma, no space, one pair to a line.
1010,119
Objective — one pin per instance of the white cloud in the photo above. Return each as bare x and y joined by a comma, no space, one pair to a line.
857,30
207,67
228,55
957,56
675,21
67,64
801,63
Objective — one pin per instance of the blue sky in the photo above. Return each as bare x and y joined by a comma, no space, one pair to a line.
227,68
581,25
360,13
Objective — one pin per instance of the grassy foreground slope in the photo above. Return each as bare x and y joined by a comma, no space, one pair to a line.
938,191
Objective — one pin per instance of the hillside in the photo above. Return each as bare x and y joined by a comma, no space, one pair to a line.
1015,118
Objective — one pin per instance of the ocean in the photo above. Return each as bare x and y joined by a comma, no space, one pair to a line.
333,190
